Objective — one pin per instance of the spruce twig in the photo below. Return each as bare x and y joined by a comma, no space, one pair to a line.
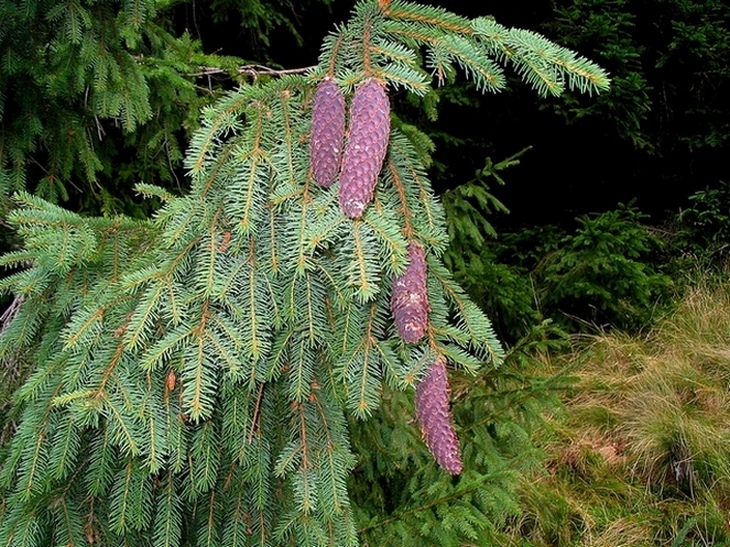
456,494
254,71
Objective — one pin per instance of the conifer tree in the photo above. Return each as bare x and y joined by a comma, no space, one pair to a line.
191,375
95,96
74,74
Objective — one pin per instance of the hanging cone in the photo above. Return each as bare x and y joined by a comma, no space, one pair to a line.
409,299
366,147
328,132
434,417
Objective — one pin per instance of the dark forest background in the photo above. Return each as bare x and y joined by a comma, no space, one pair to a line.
659,135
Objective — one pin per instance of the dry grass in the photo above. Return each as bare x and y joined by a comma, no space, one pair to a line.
623,532
641,455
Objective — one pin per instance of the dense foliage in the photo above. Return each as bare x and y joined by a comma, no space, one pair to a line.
97,96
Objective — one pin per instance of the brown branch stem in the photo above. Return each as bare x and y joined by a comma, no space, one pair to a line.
253,71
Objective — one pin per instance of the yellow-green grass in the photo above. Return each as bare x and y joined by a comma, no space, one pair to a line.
640,455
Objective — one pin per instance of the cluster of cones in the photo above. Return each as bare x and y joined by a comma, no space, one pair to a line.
356,157
360,160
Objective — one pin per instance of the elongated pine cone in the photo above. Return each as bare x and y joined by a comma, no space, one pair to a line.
434,416
328,132
366,147
409,299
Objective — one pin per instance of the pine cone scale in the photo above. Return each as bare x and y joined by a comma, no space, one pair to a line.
328,132
366,147
434,417
409,299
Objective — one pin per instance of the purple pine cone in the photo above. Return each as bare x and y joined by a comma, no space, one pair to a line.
409,300
366,147
434,416
328,132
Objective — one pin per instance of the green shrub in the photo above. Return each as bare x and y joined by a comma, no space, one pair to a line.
605,273
702,230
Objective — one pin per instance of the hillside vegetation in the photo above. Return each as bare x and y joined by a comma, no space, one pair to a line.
640,455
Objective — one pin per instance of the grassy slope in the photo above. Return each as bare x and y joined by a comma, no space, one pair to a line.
641,454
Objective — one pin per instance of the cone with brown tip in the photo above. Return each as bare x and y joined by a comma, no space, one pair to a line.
328,132
409,299
366,147
434,417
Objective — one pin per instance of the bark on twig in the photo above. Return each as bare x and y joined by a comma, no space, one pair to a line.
253,71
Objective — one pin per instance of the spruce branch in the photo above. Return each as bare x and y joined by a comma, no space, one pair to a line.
427,15
472,486
14,307
170,352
